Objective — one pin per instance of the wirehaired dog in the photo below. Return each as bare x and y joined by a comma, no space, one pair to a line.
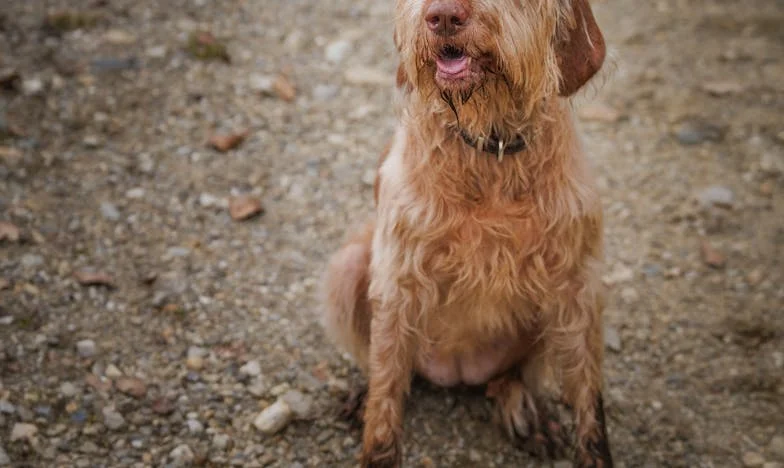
482,265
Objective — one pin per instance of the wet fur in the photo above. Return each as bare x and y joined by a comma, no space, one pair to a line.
466,250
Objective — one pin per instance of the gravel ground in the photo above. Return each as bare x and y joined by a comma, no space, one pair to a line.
141,324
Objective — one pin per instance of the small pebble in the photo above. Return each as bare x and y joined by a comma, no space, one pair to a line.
194,426
776,447
194,363
274,418
696,132
24,431
6,407
716,195
135,193
251,369
337,51
612,339
182,455
156,52
32,87
5,460
221,442
113,372
753,459
86,348
109,211
299,403
262,84
67,389
113,419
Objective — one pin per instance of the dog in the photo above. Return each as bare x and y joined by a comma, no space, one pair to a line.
482,264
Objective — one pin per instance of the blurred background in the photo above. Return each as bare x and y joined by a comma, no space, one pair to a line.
174,175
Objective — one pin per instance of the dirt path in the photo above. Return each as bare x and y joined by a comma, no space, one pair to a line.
104,166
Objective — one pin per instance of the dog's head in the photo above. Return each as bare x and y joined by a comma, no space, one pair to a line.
527,49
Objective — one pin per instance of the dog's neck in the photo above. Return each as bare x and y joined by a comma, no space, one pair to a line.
495,145
489,123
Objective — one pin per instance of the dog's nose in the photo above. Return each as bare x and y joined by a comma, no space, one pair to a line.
446,17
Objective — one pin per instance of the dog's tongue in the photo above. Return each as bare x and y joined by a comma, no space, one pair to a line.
452,66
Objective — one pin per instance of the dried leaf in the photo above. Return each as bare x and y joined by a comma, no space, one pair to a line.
204,46
226,142
163,406
284,89
722,88
711,256
92,278
132,386
231,351
244,207
9,232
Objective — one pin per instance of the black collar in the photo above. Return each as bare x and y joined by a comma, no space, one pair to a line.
495,146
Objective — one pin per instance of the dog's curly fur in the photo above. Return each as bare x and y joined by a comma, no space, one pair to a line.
477,269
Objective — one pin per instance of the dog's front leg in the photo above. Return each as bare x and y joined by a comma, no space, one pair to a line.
390,370
577,341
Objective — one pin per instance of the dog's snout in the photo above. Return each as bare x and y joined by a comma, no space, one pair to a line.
446,17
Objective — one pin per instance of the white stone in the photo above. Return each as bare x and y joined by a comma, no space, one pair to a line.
32,87
716,195
23,431
67,389
274,418
251,369
156,52
86,348
135,193
301,404
182,455
113,372
612,339
264,84
337,51
194,426
113,419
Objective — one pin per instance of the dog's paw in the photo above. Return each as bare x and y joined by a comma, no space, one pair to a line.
595,455
529,423
382,455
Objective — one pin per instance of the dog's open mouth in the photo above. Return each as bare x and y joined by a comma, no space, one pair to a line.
452,63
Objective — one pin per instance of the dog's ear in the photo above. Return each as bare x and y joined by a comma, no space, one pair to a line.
580,48
402,79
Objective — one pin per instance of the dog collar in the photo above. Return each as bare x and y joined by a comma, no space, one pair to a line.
495,145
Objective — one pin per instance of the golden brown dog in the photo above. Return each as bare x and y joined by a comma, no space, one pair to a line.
482,263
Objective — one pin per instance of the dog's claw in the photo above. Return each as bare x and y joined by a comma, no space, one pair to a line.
530,423
353,407
597,451
547,442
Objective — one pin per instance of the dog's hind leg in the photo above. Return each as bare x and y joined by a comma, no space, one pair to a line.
347,311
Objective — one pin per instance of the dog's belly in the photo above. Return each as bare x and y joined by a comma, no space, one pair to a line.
471,368
463,352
